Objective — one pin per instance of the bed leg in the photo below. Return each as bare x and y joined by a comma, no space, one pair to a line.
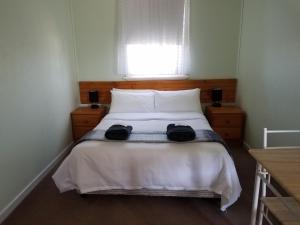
255,194
263,194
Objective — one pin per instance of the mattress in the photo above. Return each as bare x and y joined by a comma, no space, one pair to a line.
193,166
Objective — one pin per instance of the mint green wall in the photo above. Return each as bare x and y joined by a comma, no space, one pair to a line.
269,67
214,38
37,89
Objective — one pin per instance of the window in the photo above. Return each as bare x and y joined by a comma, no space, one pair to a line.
153,38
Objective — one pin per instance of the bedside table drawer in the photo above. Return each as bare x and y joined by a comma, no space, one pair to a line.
78,132
229,133
85,120
227,121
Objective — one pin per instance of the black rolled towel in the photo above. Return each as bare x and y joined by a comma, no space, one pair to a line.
180,133
118,132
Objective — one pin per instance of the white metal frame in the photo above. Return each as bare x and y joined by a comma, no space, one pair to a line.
262,179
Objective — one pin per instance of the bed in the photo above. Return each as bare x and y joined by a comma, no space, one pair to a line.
188,169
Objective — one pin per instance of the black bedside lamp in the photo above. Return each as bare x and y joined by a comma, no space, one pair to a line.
94,99
216,95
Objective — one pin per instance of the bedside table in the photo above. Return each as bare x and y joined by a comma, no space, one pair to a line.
85,119
228,122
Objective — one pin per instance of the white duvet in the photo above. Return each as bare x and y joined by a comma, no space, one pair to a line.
101,165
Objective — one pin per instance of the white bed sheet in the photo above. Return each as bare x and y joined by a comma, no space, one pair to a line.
101,165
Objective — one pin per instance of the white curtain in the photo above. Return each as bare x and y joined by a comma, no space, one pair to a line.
153,38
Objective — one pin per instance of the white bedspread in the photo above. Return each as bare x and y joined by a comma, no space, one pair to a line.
96,165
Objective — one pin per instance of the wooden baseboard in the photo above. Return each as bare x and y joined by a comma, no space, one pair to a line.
7,210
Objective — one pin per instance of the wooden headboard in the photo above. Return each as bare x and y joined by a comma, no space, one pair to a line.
104,87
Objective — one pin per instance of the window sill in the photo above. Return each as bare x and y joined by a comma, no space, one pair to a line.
175,77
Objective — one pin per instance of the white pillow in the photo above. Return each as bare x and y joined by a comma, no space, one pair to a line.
178,101
133,90
135,102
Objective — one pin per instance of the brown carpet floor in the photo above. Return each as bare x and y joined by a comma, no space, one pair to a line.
45,206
